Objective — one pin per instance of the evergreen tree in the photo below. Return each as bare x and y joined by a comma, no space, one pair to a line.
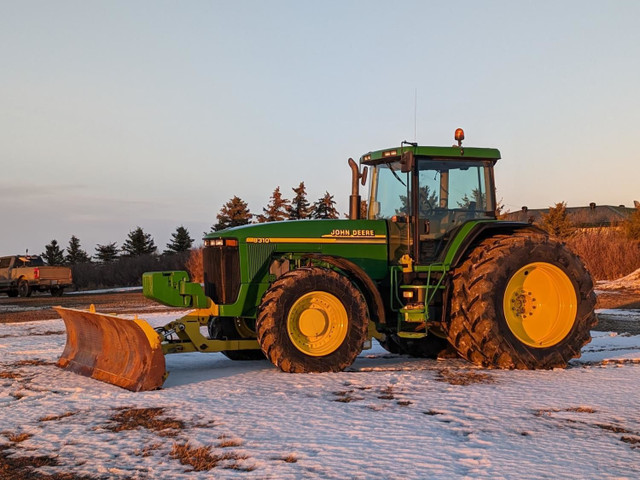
556,221
325,207
52,254
107,253
75,254
138,243
277,208
300,207
233,214
180,241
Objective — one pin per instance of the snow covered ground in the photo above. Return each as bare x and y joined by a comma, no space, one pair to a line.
388,417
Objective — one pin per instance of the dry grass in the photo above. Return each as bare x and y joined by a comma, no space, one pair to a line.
291,458
463,377
202,459
345,396
18,437
607,253
432,412
387,393
31,363
226,442
129,418
148,450
51,418
21,468
48,332
194,265
9,374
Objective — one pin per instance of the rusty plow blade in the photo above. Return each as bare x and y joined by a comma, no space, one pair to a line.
126,353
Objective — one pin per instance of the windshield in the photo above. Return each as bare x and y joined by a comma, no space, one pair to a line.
444,185
388,195
453,185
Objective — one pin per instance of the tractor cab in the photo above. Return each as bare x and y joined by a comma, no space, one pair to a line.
428,193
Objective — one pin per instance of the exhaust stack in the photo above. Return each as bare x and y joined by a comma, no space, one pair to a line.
354,198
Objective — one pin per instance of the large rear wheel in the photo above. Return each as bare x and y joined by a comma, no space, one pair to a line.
521,301
312,320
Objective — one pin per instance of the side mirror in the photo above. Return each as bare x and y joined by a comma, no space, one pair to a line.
406,162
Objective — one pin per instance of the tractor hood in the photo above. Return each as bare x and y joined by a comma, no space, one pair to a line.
364,242
369,232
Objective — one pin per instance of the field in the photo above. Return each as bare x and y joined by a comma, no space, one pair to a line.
387,417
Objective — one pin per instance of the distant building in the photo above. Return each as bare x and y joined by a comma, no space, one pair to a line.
591,216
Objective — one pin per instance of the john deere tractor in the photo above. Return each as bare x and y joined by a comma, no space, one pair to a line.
423,266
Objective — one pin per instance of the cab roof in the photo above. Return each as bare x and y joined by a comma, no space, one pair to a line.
441,153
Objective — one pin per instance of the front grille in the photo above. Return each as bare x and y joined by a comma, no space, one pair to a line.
221,265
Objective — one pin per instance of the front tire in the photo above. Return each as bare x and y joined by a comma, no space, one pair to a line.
521,301
24,289
312,320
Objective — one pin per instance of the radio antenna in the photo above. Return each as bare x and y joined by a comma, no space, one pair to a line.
415,115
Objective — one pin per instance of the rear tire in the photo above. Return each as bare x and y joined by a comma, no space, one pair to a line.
521,301
312,320
57,291
227,328
24,289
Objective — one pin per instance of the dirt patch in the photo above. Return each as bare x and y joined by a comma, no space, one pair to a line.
30,363
53,418
129,418
14,467
463,377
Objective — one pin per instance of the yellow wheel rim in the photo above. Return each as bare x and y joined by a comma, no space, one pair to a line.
540,305
317,323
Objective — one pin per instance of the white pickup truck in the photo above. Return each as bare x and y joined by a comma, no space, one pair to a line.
23,274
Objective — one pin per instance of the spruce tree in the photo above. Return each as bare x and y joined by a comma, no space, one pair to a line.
138,243
556,222
277,208
325,207
52,254
300,207
75,254
107,253
233,214
180,241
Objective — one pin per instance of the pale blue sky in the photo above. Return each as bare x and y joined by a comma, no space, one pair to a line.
117,114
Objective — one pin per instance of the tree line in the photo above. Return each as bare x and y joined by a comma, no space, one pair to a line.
233,213
137,243
236,211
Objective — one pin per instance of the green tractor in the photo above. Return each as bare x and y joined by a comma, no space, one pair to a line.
422,266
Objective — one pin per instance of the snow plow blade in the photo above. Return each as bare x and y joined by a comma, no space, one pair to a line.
126,353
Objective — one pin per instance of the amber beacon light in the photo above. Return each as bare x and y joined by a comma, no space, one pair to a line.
459,136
